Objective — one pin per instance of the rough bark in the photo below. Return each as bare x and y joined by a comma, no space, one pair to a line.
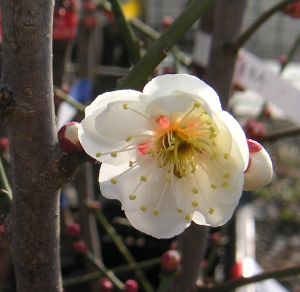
29,117
227,25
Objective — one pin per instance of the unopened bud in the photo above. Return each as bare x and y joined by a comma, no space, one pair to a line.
106,285
131,286
80,247
74,229
237,270
4,144
68,138
260,170
255,129
171,261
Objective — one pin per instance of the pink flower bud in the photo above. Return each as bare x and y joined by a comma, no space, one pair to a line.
216,237
260,170
4,144
255,129
80,247
167,21
171,261
106,285
74,229
237,270
68,138
131,286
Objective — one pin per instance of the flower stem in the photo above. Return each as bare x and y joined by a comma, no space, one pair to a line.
257,24
108,273
121,269
291,54
124,250
137,76
276,274
67,98
127,33
153,34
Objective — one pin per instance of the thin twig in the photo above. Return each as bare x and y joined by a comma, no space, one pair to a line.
124,250
257,24
108,273
67,98
276,135
291,54
117,270
127,33
138,75
276,274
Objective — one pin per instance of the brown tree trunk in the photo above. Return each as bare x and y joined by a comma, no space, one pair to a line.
29,117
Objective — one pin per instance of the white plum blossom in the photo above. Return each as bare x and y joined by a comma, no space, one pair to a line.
169,154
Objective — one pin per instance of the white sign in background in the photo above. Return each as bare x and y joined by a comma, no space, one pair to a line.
251,72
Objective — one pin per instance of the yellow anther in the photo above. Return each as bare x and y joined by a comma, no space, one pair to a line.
208,122
213,186
197,104
211,211
155,212
225,184
129,138
226,175
188,218
114,154
195,191
132,197
195,204
113,181
143,208
143,178
125,106
179,210
213,143
98,154
226,156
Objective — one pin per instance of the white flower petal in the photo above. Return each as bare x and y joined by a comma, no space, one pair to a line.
167,224
119,124
166,85
94,143
176,102
102,100
135,188
237,135
260,170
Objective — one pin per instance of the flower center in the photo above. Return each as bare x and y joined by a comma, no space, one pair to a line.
179,140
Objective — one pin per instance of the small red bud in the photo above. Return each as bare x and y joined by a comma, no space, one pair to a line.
131,286
171,261
216,237
203,264
167,21
4,144
68,138
80,247
283,59
74,229
106,285
237,270
255,129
